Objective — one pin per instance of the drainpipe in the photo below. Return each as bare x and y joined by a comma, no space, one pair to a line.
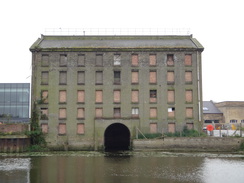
94,135
199,84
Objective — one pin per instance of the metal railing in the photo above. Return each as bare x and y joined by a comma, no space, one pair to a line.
117,31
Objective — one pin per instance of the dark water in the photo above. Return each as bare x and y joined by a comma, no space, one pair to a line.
124,167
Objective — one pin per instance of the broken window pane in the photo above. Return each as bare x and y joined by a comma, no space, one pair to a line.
117,59
153,95
116,77
63,60
170,59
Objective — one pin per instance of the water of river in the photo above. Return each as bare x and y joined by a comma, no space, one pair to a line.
121,167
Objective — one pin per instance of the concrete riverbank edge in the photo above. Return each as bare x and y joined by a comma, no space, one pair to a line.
188,144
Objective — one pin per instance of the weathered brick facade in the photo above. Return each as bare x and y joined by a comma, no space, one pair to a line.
90,84
13,128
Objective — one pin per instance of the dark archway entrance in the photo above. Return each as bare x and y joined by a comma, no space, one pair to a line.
117,137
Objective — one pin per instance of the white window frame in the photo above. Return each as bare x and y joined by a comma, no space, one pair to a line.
135,111
233,121
117,59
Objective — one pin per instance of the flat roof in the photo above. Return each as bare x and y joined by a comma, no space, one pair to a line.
230,104
72,43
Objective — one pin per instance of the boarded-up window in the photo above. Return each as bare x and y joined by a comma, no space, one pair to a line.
134,96
80,113
171,96
117,113
44,111
189,96
188,60
62,129
62,96
189,112
80,128
153,77
80,96
99,60
170,77
99,112
63,60
188,76
117,59
62,113
153,127
171,127
134,60
116,96
190,126
134,77
45,96
81,60
152,60
153,95
170,59
44,78
135,112
116,77
99,96
99,77
63,77
45,60
80,77
171,112
44,114
44,128
153,112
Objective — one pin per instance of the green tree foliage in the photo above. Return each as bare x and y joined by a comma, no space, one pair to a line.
38,142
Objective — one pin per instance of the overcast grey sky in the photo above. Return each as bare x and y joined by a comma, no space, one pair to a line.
217,24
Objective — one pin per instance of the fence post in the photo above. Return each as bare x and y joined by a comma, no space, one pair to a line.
136,133
240,129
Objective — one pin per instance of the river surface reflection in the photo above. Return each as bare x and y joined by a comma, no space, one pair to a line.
121,167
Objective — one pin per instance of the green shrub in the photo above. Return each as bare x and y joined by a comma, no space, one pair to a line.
38,142
242,146
184,133
37,148
190,133
150,135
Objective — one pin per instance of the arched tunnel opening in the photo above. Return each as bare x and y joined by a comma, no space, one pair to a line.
117,137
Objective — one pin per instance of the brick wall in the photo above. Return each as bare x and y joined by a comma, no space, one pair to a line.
13,128
190,144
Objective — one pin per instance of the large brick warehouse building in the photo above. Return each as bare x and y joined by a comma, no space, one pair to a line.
98,92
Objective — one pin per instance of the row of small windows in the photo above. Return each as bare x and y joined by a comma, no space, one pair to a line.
236,121
116,77
153,113
171,127
116,99
117,96
63,60
80,129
